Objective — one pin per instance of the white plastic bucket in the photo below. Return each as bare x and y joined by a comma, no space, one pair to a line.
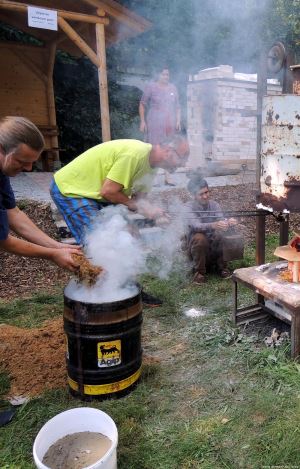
77,420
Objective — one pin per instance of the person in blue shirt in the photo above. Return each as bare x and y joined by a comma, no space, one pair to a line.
21,144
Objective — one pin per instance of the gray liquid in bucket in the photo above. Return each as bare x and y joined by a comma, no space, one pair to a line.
77,450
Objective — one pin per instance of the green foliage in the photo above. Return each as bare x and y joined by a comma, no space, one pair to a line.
9,33
286,17
206,33
78,106
203,34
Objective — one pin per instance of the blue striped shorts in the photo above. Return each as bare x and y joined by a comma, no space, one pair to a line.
78,213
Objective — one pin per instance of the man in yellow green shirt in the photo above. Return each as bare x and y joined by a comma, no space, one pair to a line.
114,172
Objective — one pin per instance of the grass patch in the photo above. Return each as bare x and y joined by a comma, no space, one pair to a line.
31,312
215,397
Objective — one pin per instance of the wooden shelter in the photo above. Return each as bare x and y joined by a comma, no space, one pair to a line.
26,81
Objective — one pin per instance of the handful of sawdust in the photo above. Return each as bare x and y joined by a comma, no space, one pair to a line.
86,273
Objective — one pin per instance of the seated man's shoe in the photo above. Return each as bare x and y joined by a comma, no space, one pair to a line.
150,301
224,273
199,279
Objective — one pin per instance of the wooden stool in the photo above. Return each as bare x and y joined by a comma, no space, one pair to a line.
275,297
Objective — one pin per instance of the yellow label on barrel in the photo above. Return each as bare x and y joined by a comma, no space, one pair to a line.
99,389
109,353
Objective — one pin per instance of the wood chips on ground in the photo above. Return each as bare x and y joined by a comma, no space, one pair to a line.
21,276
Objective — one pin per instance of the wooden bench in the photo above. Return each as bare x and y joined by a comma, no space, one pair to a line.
275,297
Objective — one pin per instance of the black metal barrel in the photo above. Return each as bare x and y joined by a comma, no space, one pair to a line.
104,353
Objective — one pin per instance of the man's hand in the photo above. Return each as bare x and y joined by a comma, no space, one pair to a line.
153,213
164,220
232,222
221,225
67,246
63,257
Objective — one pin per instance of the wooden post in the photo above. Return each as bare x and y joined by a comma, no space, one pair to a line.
260,220
51,100
284,231
295,336
102,76
260,239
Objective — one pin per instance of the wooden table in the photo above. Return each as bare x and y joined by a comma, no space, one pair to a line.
274,296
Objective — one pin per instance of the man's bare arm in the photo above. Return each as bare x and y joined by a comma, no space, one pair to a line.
112,191
61,257
21,224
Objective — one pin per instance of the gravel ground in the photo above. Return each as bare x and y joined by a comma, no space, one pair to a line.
20,276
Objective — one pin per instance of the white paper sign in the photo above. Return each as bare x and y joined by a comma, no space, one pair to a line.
42,18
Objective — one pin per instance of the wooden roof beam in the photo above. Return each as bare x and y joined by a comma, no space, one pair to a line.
80,43
69,15
121,14
61,38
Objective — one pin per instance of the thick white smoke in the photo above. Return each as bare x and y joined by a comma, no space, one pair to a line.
123,255
166,247
109,244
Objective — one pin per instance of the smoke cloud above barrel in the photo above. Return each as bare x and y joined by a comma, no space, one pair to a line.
115,244
110,244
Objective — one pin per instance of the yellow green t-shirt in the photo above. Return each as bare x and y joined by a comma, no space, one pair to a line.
123,161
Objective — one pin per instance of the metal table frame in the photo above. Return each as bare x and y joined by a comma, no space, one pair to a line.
283,311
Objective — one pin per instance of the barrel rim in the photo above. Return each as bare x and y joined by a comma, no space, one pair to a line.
107,303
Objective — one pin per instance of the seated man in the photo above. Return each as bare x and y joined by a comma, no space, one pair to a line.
206,228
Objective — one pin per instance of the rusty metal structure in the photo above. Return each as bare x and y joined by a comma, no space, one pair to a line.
280,152
278,183
278,142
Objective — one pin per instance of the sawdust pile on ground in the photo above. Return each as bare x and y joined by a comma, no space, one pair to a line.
34,358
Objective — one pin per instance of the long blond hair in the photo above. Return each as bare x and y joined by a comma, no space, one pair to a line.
16,130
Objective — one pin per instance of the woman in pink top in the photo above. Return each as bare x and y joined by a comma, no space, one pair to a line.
160,111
